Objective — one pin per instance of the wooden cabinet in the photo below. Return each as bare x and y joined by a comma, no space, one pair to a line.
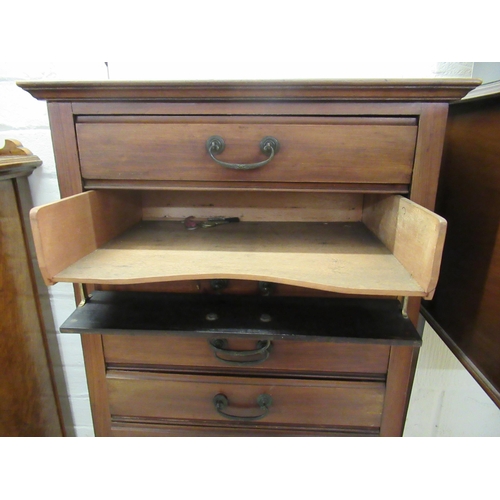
28,401
464,310
250,255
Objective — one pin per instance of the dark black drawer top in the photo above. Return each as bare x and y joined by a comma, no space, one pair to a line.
294,318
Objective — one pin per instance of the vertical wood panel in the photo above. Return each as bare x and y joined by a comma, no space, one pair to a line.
65,148
431,130
96,379
28,404
70,183
402,363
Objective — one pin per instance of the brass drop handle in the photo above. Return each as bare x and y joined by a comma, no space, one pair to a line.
269,146
240,357
264,402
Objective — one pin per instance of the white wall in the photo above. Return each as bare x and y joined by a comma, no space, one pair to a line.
487,71
445,401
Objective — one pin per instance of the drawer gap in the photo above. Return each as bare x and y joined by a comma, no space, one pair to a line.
257,118
347,430
247,187
359,377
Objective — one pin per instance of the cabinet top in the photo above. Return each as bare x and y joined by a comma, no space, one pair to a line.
16,160
443,90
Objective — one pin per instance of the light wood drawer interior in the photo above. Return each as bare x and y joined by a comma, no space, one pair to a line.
150,396
317,150
382,245
282,356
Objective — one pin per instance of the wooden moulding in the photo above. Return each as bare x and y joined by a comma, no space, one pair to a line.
16,160
95,238
432,89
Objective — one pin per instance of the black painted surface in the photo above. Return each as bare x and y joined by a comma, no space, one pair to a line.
299,318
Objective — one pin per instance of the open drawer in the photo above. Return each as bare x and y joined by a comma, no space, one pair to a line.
385,245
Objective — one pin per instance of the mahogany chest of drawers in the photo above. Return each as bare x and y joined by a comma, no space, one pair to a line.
249,257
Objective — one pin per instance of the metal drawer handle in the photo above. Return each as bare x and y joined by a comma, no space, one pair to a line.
262,350
264,401
269,146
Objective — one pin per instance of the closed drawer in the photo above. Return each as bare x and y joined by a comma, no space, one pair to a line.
190,398
321,150
174,352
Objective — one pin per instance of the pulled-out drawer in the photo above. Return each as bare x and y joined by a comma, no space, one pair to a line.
310,150
299,358
191,398
394,247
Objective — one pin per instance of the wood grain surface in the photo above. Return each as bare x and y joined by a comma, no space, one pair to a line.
295,358
357,136
337,257
308,152
189,397
465,310
28,405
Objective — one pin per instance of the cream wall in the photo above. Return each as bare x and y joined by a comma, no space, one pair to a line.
446,401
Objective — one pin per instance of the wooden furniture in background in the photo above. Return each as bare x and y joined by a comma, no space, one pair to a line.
298,320
28,403
465,309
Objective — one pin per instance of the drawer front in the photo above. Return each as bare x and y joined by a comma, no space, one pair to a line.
191,398
320,151
173,352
